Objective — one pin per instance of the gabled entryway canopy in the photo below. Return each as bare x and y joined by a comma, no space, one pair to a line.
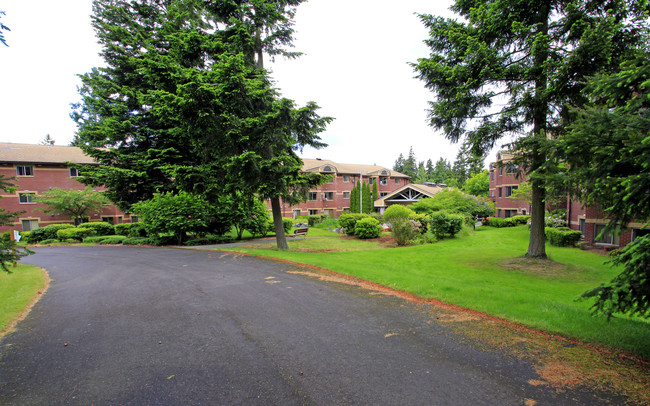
408,194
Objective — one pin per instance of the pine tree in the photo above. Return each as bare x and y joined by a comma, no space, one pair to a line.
375,193
399,164
367,203
354,198
513,68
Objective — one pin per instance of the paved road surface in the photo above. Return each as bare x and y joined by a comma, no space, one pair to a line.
146,326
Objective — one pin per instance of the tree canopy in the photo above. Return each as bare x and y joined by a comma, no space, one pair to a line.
513,68
185,104
76,204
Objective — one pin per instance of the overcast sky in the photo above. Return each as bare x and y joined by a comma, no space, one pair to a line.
355,67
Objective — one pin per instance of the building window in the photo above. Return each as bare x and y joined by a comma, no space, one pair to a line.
80,220
500,170
607,238
313,196
313,212
370,180
329,212
346,209
383,181
511,169
331,179
108,220
492,175
500,192
74,172
328,196
523,212
296,213
29,225
346,178
327,169
491,193
639,232
26,197
383,194
135,219
509,213
24,170
509,190
498,212
582,226
397,181
346,195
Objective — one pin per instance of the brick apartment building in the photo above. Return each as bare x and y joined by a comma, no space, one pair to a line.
504,179
333,198
589,220
37,168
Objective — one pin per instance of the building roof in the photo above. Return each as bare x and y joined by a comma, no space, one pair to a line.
410,193
42,154
320,165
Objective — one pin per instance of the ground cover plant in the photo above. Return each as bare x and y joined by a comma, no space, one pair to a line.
17,291
484,271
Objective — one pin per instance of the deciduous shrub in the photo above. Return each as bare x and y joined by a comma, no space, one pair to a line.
78,233
562,236
100,227
314,219
554,220
123,228
520,219
137,230
26,236
48,232
49,241
105,239
287,224
367,228
405,230
348,221
136,241
215,239
455,201
446,225
397,211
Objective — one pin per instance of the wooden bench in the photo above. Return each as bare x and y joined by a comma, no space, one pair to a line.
299,232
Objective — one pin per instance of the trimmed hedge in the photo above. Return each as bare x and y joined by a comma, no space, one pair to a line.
100,227
136,241
48,232
123,228
314,219
348,221
222,239
562,236
367,228
446,225
105,239
75,233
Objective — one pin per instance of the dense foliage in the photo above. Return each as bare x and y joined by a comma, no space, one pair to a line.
367,227
76,204
562,236
455,201
512,68
10,252
184,103
446,225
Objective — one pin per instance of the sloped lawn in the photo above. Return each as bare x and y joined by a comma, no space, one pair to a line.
485,271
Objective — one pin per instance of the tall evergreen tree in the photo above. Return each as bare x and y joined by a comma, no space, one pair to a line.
513,68
354,199
410,165
366,204
375,193
184,102
430,170
399,164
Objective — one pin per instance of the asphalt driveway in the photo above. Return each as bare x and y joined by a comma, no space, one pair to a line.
147,326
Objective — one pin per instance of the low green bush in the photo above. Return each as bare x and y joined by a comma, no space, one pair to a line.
78,233
314,219
520,219
562,236
6,236
123,228
48,232
446,225
94,239
26,236
113,239
348,221
220,239
397,211
49,241
100,227
405,230
496,222
136,241
138,230
367,228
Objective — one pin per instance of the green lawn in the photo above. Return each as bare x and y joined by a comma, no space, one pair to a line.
17,291
484,271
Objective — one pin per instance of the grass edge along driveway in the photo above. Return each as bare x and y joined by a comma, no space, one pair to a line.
19,291
484,271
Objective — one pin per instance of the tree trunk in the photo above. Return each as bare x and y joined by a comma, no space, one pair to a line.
537,242
280,238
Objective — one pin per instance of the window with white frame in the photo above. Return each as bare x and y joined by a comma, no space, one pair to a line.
26,197
29,225
383,181
397,181
605,238
346,195
346,178
296,213
328,196
74,172
24,170
313,196
383,194
313,212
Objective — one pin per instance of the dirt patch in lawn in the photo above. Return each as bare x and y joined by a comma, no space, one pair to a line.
542,267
